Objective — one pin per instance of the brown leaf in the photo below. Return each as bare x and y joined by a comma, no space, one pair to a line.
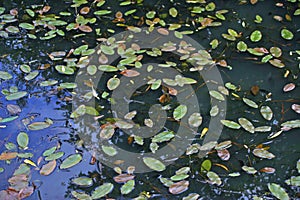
123,178
254,90
261,50
206,21
253,2
48,168
84,10
130,73
172,91
269,170
85,28
13,12
13,109
289,87
179,187
163,31
8,155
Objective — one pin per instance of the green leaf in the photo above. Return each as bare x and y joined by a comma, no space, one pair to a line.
278,191
266,112
68,85
48,83
249,170
111,151
31,75
291,124
55,156
262,153
287,34
49,151
217,95
255,36
195,120
26,26
102,190
250,103
163,136
5,75
83,181
70,161
230,124
22,140
180,112
241,46
16,96
246,124
8,119
173,12
206,166
64,69
214,178
127,187
113,83
81,195
102,12
35,126
154,164
107,68
91,69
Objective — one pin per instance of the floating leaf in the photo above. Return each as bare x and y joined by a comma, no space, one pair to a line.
268,170
12,29
246,124
16,96
250,103
179,177
224,154
48,83
296,108
48,168
55,156
214,111
113,83
180,112
130,73
49,151
8,155
217,95
255,36
107,132
278,191
102,12
266,112
123,178
206,166
289,87
71,161
31,75
64,69
179,187
230,124
291,124
154,164
22,140
163,136
214,178
287,34
5,75
8,119
195,120
275,51
81,195
263,129
276,63
262,153
294,181
127,187
111,151
26,26
68,85
249,170
192,196
83,181
173,12
35,126
149,123
102,190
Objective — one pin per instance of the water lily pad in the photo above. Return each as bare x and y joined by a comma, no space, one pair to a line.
154,164
266,112
5,75
16,96
250,103
163,136
230,124
278,191
214,178
127,187
8,155
22,139
48,168
180,112
195,120
83,181
262,153
287,34
102,190
246,124
255,36
71,161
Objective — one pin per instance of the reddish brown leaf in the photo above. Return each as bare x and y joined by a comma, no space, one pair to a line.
254,90
85,28
8,155
130,73
84,10
269,170
163,31
48,168
123,178
13,12
179,187
289,87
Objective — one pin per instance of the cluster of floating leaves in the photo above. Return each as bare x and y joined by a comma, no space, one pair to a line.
40,23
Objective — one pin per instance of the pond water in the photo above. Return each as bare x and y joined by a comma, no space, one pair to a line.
49,108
